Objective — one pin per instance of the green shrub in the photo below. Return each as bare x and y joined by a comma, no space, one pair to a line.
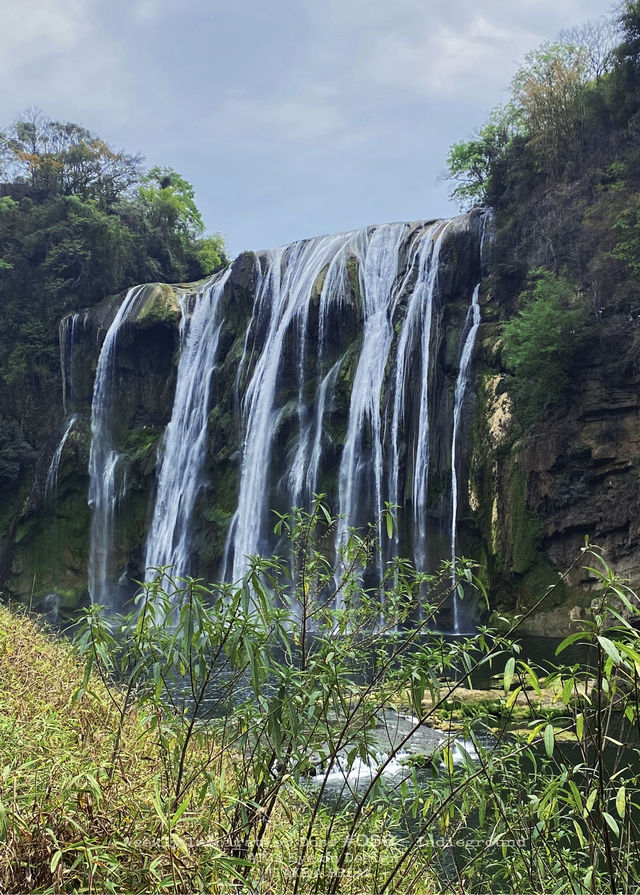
627,248
542,343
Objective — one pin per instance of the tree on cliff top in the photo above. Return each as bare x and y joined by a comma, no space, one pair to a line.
470,162
63,158
79,221
629,20
545,114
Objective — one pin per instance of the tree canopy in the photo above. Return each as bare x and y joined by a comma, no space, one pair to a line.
79,221
555,95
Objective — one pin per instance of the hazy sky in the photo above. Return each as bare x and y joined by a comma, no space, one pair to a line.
291,118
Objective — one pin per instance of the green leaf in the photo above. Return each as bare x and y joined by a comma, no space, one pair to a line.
548,739
621,801
572,638
610,649
611,823
180,810
567,690
577,798
513,696
508,673
182,846
55,860
535,732
591,800
580,726
389,526
532,676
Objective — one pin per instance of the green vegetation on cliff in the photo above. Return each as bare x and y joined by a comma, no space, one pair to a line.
78,221
560,165
543,341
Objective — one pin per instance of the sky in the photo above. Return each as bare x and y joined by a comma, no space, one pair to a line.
291,118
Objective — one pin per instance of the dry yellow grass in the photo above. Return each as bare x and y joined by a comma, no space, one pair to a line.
71,820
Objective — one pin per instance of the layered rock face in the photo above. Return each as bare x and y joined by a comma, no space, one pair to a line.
537,497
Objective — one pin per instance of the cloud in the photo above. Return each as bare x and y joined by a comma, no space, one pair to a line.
56,24
58,57
352,101
444,49
313,115
47,29
446,62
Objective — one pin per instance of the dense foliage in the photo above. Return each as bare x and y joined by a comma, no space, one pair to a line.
560,164
79,221
542,342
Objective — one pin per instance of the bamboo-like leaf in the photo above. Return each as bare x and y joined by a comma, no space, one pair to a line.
508,673
511,699
621,801
572,638
182,845
180,810
591,800
389,525
610,649
535,732
532,677
611,822
567,691
549,739
577,798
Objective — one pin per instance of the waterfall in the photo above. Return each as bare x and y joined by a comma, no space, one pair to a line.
389,285
378,277
179,477
418,320
51,483
325,361
424,295
316,451
103,458
67,335
283,295
472,323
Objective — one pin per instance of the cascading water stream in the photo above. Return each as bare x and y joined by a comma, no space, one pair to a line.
316,451
426,293
67,337
179,478
378,277
297,468
472,323
51,482
103,458
284,292
419,305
